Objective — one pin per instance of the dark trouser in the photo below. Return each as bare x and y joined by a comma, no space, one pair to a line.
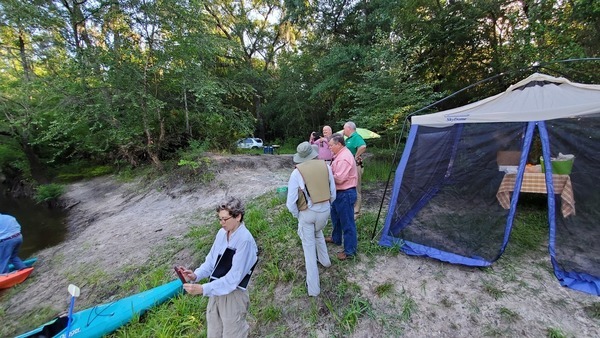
342,218
9,250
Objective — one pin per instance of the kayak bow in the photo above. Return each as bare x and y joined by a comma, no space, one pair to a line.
11,279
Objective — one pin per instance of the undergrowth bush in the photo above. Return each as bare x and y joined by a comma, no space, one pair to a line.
77,171
194,163
48,192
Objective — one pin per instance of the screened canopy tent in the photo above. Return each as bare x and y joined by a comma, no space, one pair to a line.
456,188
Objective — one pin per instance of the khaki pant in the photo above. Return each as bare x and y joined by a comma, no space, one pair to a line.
358,203
310,230
226,315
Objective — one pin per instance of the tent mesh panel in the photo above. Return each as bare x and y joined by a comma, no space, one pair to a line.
447,198
577,236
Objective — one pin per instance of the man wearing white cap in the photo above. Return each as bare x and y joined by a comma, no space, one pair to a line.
311,190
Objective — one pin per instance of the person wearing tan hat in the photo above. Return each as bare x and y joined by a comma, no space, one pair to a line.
311,190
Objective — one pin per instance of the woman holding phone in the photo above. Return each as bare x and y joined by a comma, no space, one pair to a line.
228,266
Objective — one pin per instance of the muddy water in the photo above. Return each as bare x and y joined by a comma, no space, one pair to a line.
41,227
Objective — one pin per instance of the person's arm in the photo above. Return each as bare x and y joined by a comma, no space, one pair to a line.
193,289
292,194
332,190
359,151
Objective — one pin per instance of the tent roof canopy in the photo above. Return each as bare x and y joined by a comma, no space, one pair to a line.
539,97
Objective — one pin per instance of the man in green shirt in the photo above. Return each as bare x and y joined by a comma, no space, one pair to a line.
357,147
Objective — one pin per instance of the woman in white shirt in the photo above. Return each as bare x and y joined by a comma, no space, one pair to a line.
226,288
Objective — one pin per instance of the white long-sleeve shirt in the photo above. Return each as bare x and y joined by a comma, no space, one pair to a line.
296,181
244,258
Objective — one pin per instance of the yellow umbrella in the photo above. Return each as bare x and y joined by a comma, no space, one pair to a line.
365,133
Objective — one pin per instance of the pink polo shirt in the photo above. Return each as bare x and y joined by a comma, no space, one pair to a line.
344,170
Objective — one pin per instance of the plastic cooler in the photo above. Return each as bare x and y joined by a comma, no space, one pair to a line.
562,167
282,192
267,150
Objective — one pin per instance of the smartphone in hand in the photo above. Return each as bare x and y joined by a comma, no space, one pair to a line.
180,274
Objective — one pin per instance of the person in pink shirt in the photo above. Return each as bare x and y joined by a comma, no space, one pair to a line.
345,175
323,144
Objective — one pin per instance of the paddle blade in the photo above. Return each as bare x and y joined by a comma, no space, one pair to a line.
73,290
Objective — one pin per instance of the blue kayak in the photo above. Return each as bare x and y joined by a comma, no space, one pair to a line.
28,263
103,319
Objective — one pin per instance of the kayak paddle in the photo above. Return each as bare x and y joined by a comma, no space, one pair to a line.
74,292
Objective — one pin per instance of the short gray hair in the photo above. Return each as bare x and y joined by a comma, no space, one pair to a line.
338,138
233,205
350,124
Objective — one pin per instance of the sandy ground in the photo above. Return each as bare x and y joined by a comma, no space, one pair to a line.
114,225
455,301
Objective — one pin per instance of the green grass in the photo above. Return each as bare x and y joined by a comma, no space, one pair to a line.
593,310
408,308
529,233
555,333
80,170
278,297
376,170
384,289
509,315
492,290
358,308
41,315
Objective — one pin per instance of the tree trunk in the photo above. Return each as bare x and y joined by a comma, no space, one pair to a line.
188,130
35,166
23,55
259,116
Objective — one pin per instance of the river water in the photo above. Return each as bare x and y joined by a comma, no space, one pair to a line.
41,227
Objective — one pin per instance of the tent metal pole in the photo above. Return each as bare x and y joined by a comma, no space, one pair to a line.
387,183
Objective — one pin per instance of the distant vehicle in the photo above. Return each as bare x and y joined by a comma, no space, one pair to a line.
249,143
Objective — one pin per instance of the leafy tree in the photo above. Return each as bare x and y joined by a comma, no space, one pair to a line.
389,90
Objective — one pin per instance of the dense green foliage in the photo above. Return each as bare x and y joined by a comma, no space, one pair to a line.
132,82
